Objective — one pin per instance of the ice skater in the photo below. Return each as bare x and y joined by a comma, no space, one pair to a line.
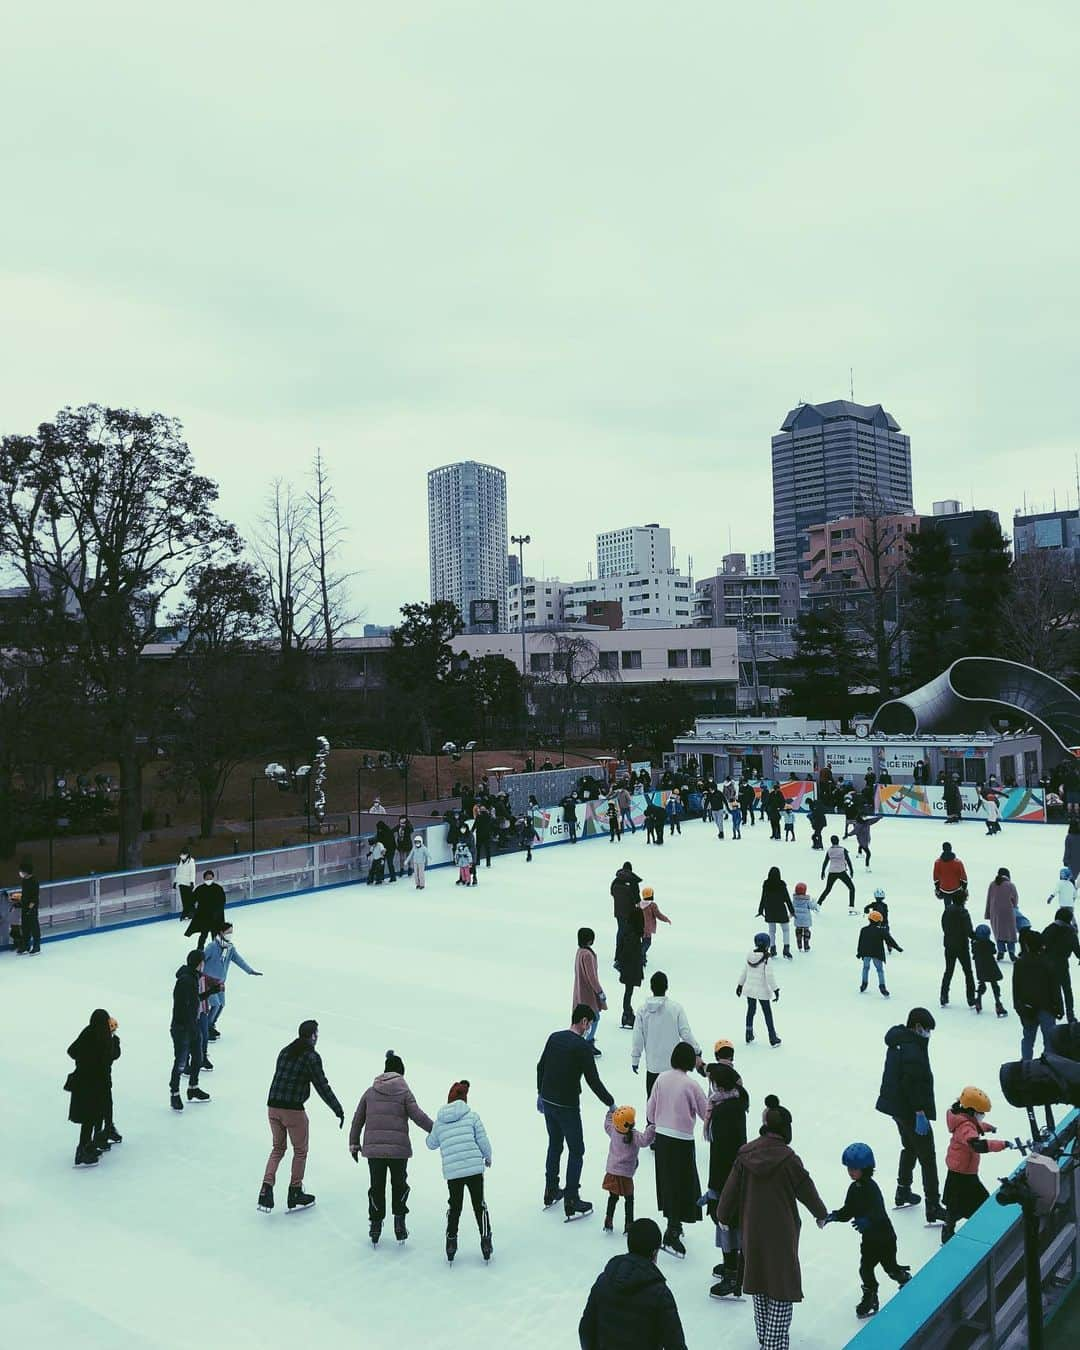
805,907
219,957
874,939
622,1161
382,1117
862,829
837,863
614,822
459,1135
987,970
864,1209
417,860
587,988
789,824
950,874
957,932
777,910
464,861
675,1102
208,915
530,835
907,1095
651,913
725,1130
1064,893
1002,902
735,811
94,1051
184,1030
966,1122
760,986
184,882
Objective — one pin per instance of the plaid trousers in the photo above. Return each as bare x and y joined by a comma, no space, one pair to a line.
772,1320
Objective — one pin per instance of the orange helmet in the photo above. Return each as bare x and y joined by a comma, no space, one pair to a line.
624,1118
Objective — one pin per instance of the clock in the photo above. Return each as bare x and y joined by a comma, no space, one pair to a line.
862,731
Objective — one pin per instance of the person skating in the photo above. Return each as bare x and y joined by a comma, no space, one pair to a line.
658,814
569,815
864,1209
993,813
772,805
1036,992
725,1130
463,861
631,964
789,824
30,910
385,836
1059,943
760,986
1064,893
819,822
298,1069
587,988
718,805
625,899
736,813
94,1051
659,1026
651,914
950,874
675,1102
219,956
957,932
630,1306
907,1095
1002,902
874,939
805,908
483,828
747,800
417,860
460,1136
613,821
767,1184
964,1192
987,970
776,909
208,916
1071,857
382,1116
530,835
953,801
184,1030
207,988
626,817
403,836
675,813
863,825
622,1161
837,863
565,1060
184,882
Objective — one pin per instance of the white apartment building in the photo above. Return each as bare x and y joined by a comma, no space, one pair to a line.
636,548
543,602
467,539
763,564
651,599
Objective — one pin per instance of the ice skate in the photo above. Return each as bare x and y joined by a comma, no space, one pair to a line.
787,954
375,1231
673,1243
868,1305
774,1041
905,1197
451,1247
176,1102
935,1214
1001,1012
576,1209
299,1199
87,1157
196,1094
552,1196
113,1135
266,1199
101,1143
400,1231
862,987
883,991
486,1248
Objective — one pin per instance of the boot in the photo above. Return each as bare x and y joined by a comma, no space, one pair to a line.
905,1196
375,1231
207,1066
787,953
729,1278
609,1215
113,1134
772,951
673,1242
101,1143
902,1276
266,1199
627,1023
485,1234
1001,1012
87,1157
749,1036
552,1196
936,1214
977,1005
947,1232
176,1102
299,1199
576,1209
883,991
862,987
868,1305
451,1237
196,1094
400,1231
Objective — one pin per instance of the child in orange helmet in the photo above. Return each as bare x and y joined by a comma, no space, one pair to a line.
622,1161
964,1192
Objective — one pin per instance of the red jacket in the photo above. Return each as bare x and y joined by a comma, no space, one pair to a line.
961,1157
950,874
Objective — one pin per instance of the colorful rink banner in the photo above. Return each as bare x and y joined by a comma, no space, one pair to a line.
928,801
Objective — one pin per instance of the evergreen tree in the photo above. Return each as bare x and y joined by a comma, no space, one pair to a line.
931,637
829,665
984,589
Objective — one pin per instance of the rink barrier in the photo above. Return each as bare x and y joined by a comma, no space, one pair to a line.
971,1293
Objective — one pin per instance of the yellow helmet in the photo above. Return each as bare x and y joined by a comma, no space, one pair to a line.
722,1045
646,892
974,1099
623,1118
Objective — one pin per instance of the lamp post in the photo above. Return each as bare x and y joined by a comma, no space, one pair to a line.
521,540
253,782
471,747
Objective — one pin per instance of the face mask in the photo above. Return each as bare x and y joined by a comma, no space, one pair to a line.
922,1031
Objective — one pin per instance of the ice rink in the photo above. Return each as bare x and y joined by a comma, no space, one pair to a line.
161,1245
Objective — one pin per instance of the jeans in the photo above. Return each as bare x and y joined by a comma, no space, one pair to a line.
291,1126
198,1051
217,1007
784,928
627,819
1062,973
766,1008
961,955
917,1148
186,1045
378,1170
590,1035
844,880
646,943
879,966
1002,947
456,1195
1040,1021
564,1124
674,826
736,825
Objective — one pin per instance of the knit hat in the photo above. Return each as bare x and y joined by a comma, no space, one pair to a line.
459,1092
800,888
983,931
762,941
394,1063
1065,875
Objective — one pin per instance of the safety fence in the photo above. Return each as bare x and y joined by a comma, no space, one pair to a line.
971,1294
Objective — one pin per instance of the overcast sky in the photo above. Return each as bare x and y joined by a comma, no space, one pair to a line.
605,246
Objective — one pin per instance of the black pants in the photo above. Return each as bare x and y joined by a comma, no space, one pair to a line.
917,1148
995,986
483,850
774,825
953,955
650,1079
628,994
844,880
378,1169
456,1189
1062,975
614,828
674,826
31,931
876,1252
187,904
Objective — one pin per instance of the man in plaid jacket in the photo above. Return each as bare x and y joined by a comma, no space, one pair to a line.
298,1069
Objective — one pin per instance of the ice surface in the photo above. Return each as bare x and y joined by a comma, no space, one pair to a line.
161,1245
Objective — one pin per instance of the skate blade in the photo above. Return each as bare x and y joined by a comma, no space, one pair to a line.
265,1209
573,1218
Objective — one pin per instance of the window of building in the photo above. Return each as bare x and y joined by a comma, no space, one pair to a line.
609,660
559,661
631,660
700,657
540,663
676,659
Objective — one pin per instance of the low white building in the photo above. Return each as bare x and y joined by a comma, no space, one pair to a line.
649,599
542,598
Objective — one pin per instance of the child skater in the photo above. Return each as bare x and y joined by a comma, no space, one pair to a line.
735,811
463,859
873,941
725,1129
761,987
881,906
987,970
1063,896
789,823
650,913
622,1161
417,860
864,1208
530,835
614,821
964,1192
460,1135
805,907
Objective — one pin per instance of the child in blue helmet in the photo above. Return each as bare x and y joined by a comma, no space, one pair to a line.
864,1209
1063,896
987,970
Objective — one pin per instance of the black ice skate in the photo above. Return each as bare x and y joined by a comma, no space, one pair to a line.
451,1247
868,1305
266,1199
101,1142
935,1214
87,1157
113,1135
552,1196
862,987
730,1285
787,953
905,1196
299,1199
576,1209
1001,1012
400,1231
175,1102
485,1234
196,1094
673,1243
375,1231
883,991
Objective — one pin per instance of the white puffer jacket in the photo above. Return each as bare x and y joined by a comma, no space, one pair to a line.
757,979
459,1132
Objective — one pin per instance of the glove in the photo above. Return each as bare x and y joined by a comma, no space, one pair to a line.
354,1149
341,1121
487,1162
634,1067
256,972
922,1125
738,991
776,997
861,1223
899,951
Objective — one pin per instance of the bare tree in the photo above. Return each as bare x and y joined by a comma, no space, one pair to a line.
283,553
322,541
1040,620
576,665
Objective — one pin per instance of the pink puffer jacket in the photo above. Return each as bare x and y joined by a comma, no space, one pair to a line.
383,1114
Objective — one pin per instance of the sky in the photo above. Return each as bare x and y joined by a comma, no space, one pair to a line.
605,247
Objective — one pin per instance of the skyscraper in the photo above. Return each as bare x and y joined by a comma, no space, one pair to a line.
830,460
635,548
467,539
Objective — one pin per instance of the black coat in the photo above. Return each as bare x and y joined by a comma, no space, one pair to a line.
776,906
1059,943
818,818
209,916
873,940
1034,986
907,1081
185,1001
727,1134
956,928
625,893
628,956
93,1050
630,1307
987,970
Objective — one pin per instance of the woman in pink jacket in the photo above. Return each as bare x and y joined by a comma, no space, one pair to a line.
383,1114
675,1102
587,988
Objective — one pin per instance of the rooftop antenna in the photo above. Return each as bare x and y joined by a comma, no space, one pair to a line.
851,382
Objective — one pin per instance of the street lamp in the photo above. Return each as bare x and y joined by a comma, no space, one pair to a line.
471,747
521,540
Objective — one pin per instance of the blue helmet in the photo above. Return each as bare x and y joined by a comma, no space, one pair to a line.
879,894
1065,875
860,1156
983,930
762,940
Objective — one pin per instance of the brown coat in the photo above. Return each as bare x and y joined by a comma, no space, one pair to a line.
587,988
759,1198
383,1114
1001,905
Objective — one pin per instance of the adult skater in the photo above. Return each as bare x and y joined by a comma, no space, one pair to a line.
30,910
484,829
774,805
631,964
587,987
90,1084
954,805
658,815
184,1030
767,1184
776,909
184,882
660,1025
630,1305
385,836
747,799
1002,902
6,911
208,916
907,1095
1071,857
625,898
403,843
837,863
569,815
565,1060
819,821
675,1102
1059,943
1036,993
718,810
624,802
950,874
957,932
382,1115
218,957
760,985
862,827
466,1151
299,1068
